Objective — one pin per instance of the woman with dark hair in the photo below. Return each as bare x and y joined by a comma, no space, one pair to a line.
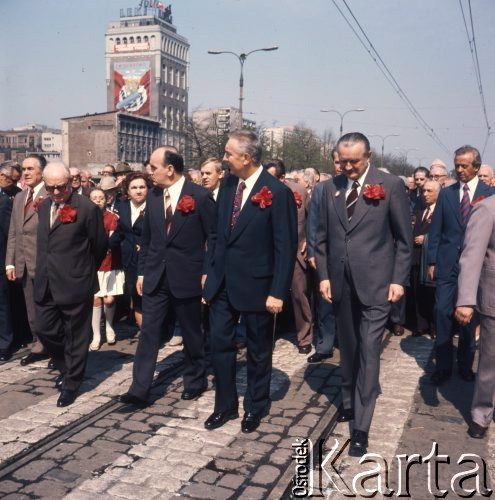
128,233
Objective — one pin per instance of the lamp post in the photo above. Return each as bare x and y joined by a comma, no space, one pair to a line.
383,143
242,58
341,115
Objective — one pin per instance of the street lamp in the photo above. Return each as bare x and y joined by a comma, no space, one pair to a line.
383,143
341,115
242,57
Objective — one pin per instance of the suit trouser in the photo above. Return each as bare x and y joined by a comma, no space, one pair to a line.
424,301
484,387
6,334
360,330
65,331
156,308
325,334
303,317
445,297
398,311
28,289
259,330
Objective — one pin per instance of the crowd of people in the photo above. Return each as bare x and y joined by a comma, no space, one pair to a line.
220,252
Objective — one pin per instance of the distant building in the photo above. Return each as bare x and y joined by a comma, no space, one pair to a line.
91,141
147,66
217,120
274,138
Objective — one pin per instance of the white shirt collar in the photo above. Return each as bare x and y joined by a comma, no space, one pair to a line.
174,191
215,193
136,211
360,180
473,184
250,182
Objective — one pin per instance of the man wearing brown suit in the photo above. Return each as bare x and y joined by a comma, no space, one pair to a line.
20,262
300,289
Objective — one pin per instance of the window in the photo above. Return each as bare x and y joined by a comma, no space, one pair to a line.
117,41
124,40
146,38
138,39
131,39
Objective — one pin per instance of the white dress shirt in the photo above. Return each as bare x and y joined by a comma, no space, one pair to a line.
36,191
136,211
174,192
215,193
360,182
250,182
473,184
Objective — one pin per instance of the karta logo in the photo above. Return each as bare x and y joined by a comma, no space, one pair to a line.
329,477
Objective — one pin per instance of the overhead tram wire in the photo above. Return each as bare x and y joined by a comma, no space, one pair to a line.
389,76
471,38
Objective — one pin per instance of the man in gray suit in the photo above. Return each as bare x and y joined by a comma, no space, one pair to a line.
20,262
476,289
363,254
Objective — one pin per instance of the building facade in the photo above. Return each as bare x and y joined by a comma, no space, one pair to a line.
147,69
92,141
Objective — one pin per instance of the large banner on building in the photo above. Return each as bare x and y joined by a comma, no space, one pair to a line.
132,87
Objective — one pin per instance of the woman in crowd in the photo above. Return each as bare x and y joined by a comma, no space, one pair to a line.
110,277
128,232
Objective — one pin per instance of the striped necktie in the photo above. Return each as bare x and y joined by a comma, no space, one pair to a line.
168,210
465,205
236,209
351,200
29,202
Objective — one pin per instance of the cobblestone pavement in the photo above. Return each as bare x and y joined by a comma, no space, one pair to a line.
164,451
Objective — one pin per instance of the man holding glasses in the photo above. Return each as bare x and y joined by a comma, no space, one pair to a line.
71,245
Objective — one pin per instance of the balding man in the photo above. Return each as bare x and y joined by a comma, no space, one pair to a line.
71,246
76,182
439,172
485,174
178,217
212,175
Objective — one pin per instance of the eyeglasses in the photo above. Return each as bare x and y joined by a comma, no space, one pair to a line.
51,189
436,177
75,177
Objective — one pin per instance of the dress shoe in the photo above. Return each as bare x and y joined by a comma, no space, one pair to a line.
250,422
32,357
66,398
129,399
439,377
5,354
59,382
305,349
51,364
345,415
476,431
216,420
189,395
359,443
467,375
398,330
318,357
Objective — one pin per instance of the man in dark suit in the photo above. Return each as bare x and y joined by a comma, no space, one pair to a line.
416,198
71,245
76,182
6,335
21,247
178,217
446,238
249,265
363,255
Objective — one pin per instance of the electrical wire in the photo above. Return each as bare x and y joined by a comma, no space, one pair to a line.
373,53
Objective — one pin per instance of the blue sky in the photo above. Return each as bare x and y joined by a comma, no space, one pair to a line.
52,64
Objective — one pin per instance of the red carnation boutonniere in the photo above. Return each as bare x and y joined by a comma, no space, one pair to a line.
477,200
67,214
36,204
374,192
263,198
141,213
186,204
298,199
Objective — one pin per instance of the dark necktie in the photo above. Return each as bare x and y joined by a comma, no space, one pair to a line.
426,214
351,200
236,209
168,210
54,213
465,204
29,202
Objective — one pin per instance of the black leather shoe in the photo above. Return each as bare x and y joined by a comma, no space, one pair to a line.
66,398
52,365
398,330
440,377
345,415
59,382
189,395
5,354
250,422
129,399
305,349
476,431
216,420
318,357
359,443
467,375
32,357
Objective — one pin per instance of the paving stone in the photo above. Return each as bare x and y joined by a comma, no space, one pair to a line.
135,426
132,491
104,444
254,493
271,438
281,456
260,448
266,474
107,423
116,434
16,496
85,453
163,482
136,437
62,450
299,431
230,454
62,475
207,491
230,465
232,481
34,470
7,486
206,476
87,434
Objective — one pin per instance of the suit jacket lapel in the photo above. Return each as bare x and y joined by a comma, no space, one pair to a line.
362,206
72,201
179,218
229,197
339,199
453,197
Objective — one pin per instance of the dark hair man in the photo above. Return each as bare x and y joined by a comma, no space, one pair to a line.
363,257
